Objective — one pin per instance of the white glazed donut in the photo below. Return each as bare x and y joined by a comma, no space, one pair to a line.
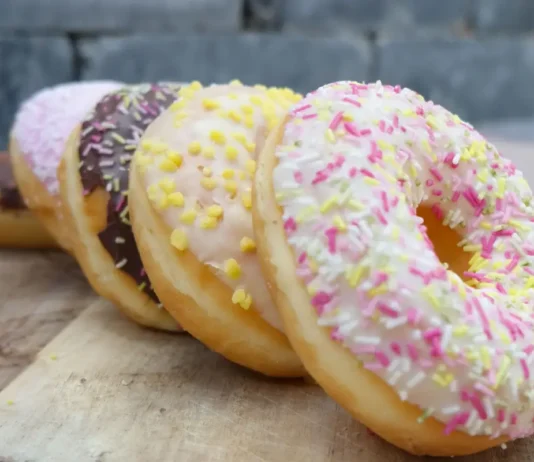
436,359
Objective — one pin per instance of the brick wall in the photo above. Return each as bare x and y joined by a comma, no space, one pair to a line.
474,56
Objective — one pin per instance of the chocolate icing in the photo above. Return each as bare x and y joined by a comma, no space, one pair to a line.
109,137
10,198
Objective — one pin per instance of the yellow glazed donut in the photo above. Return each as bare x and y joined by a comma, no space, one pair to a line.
436,359
190,201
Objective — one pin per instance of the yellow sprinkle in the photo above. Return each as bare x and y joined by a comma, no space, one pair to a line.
179,239
432,121
256,100
208,222
228,173
177,105
246,199
356,205
242,175
247,244
153,192
371,181
247,109
330,136
232,268
188,217
339,223
230,186
143,160
385,146
328,204
162,203
168,185
236,83
195,85
10,402
460,331
311,290
379,290
176,199
408,113
440,380
260,87
210,104
456,119
230,152
305,213
158,147
53,357
503,370
431,296
241,298
208,183
206,171
250,147
355,275
214,211
241,137
233,115
208,152
194,148
175,157
250,165
249,122
486,225
168,166
217,137
347,117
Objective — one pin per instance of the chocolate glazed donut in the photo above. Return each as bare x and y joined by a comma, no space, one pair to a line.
18,226
107,140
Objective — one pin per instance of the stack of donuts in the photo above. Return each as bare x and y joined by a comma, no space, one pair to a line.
359,234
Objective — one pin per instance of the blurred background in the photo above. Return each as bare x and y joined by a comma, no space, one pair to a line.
476,57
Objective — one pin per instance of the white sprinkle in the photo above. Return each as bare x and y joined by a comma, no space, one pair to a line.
417,378
121,263
451,409
394,378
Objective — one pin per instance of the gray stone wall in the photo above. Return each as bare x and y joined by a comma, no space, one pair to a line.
476,57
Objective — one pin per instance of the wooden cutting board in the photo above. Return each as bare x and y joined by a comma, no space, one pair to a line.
106,390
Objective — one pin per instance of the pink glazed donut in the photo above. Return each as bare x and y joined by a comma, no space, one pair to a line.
39,135
434,357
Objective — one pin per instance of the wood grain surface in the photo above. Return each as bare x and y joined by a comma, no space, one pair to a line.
40,293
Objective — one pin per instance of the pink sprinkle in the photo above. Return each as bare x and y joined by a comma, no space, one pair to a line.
352,101
320,299
500,415
429,183
302,257
352,172
120,203
367,173
528,349
438,212
413,316
336,120
387,310
435,173
397,89
309,116
365,132
351,129
477,404
331,234
412,352
396,121
340,160
513,419
455,196
395,347
380,216
431,333
464,395
298,177
382,126
384,198
302,108
290,224
455,421
524,366
382,358
513,263
500,288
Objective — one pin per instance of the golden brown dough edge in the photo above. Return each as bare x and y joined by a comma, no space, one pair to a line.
367,397
86,217
200,301
20,229
47,208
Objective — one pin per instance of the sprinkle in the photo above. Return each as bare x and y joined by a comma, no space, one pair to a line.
214,211
208,183
208,222
231,152
232,268
241,298
188,217
247,244
246,199
194,148
218,137
179,239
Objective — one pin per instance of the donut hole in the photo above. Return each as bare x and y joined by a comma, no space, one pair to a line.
445,241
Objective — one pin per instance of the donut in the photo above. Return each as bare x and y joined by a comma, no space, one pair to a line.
190,200
18,226
436,358
38,138
93,177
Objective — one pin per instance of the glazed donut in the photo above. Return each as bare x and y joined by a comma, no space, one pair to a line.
190,192
93,177
18,226
435,359
38,137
